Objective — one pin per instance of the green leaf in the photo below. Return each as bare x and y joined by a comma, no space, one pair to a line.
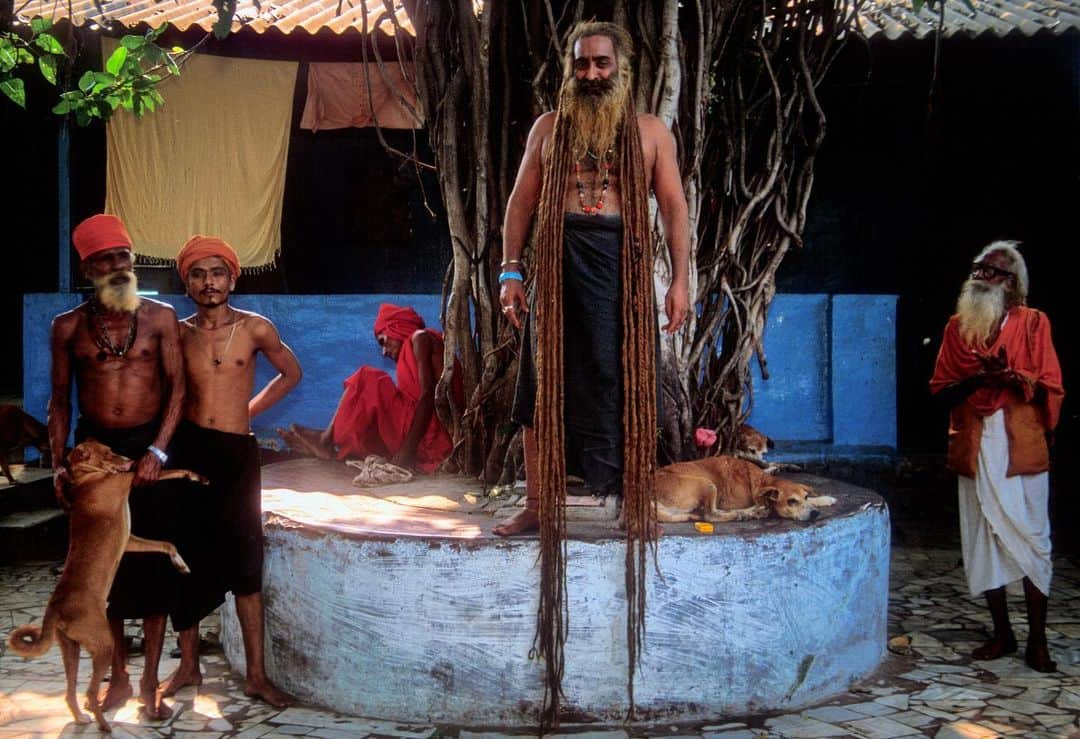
87,82
153,54
47,65
153,33
82,117
40,25
103,80
156,97
174,68
49,44
14,88
148,102
133,43
8,57
25,57
116,60
62,107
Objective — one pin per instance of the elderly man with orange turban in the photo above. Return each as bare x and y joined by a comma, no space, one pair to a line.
375,416
223,537
123,353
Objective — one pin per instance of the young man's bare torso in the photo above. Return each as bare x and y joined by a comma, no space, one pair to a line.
219,358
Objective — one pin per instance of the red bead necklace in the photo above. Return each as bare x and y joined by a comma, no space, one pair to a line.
605,166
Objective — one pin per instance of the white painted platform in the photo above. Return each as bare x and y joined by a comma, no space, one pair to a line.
398,603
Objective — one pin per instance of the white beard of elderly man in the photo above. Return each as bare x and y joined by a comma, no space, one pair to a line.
998,374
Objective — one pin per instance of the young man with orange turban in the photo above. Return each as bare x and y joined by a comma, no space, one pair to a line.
220,344
123,352
375,416
998,374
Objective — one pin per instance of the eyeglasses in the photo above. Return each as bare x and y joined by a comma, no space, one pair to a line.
984,270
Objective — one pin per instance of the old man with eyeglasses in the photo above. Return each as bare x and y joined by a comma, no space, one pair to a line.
998,374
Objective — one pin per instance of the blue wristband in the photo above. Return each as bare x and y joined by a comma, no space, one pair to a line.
503,277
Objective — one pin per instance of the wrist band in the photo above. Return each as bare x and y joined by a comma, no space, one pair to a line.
506,262
511,275
162,456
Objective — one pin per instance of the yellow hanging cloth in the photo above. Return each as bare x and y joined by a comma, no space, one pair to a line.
211,160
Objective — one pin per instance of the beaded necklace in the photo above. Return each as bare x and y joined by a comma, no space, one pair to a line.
103,341
604,164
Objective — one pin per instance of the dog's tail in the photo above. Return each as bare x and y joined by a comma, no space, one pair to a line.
33,640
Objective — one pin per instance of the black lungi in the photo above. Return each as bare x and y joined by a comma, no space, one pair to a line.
145,581
223,539
592,339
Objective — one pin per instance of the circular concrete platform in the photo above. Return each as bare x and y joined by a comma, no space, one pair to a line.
400,604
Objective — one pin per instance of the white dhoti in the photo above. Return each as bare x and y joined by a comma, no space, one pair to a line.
1004,521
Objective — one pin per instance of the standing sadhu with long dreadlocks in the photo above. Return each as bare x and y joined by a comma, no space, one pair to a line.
587,383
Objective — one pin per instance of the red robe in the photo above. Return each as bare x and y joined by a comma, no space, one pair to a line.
374,415
1029,351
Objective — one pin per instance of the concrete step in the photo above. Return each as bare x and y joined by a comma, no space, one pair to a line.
36,533
33,488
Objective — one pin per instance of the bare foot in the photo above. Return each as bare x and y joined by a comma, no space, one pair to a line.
185,675
1037,657
268,692
115,694
153,707
996,647
310,441
525,522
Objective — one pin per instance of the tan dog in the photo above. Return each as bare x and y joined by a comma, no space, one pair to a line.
720,489
19,430
99,534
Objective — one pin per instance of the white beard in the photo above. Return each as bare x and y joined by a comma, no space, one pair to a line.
120,296
980,307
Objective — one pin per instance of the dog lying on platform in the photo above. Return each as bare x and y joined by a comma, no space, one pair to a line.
719,489
99,534
19,430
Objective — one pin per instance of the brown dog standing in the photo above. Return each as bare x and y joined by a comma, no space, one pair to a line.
725,488
100,533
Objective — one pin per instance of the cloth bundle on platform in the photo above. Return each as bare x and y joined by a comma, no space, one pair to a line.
212,160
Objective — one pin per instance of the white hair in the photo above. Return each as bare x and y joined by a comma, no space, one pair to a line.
1016,264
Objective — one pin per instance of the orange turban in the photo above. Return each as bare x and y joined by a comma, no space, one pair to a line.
397,322
98,233
200,247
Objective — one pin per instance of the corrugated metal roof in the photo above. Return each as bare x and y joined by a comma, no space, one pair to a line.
891,18
895,18
286,16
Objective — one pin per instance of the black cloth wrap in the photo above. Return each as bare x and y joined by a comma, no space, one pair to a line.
592,361
145,581
222,538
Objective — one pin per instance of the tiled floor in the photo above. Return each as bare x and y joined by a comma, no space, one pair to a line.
927,687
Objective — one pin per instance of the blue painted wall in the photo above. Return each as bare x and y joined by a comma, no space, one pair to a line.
832,360
832,367
330,334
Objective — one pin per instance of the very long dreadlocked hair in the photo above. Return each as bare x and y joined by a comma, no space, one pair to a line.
639,400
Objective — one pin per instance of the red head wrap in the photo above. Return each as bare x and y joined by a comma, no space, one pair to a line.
397,322
200,247
98,233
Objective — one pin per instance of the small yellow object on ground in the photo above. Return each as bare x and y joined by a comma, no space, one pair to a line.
703,527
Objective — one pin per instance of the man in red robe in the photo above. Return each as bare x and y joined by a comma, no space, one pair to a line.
375,416
998,374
